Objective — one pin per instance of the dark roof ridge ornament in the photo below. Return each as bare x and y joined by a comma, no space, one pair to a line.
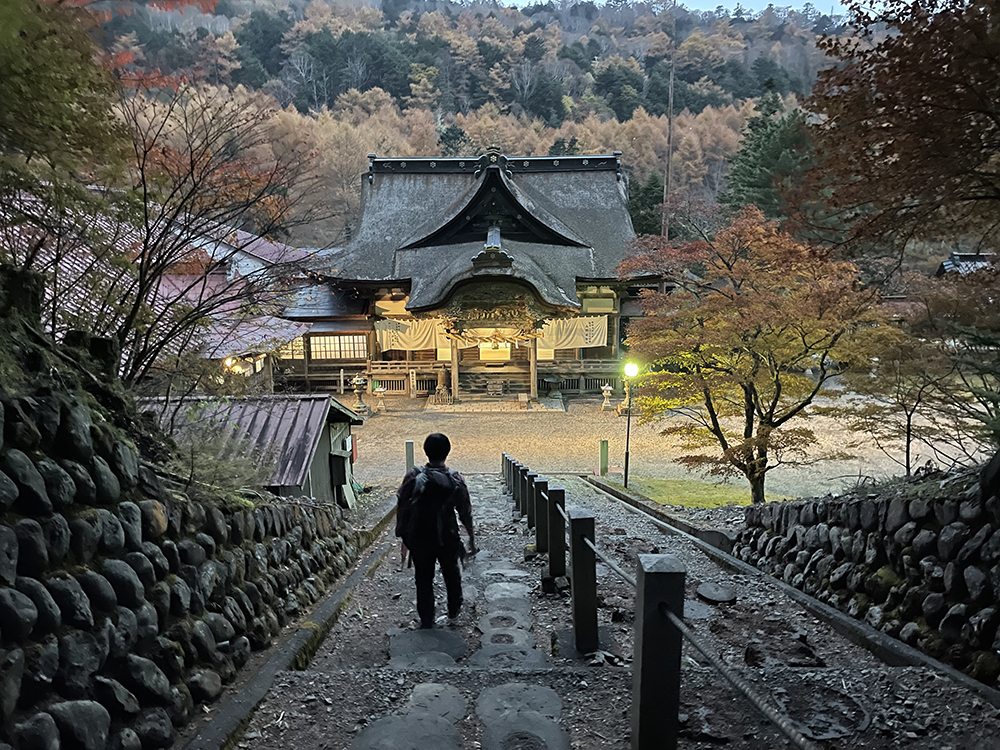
493,158
492,256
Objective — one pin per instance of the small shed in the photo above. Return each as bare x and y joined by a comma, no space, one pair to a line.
963,263
307,437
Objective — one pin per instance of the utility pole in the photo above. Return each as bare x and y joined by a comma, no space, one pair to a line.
668,170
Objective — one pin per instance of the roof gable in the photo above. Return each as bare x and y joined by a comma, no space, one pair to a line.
412,205
494,202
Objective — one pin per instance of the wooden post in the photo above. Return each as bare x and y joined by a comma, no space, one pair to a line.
557,533
409,455
305,360
523,489
517,486
533,360
656,657
541,515
341,381
584,580
530,497
454,371
604,458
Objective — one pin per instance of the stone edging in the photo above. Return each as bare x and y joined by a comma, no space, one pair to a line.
891,651
718,539
225,730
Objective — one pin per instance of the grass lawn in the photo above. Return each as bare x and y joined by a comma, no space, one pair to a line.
691,493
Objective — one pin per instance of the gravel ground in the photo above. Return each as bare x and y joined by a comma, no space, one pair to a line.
830,686
569,442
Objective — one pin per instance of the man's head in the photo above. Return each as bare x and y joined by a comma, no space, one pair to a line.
437,446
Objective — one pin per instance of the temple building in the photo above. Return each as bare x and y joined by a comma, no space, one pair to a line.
490,276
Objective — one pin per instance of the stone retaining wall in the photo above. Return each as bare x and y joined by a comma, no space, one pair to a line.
922,568
123,605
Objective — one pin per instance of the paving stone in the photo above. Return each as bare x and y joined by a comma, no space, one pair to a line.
505,590
716,594
415,731
507,657
425,660
508,637
524,730
436,699
420,641
504,619
695,610
507,573
509,604
495,702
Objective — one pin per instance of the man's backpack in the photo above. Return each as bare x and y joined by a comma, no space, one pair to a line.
430,513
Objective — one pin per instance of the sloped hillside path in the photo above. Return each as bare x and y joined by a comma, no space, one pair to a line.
494,681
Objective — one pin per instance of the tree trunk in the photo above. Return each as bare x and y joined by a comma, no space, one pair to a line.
757,489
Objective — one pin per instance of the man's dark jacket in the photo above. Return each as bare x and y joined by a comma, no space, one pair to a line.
427,502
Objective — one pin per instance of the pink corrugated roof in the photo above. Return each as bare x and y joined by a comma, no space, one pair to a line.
259,334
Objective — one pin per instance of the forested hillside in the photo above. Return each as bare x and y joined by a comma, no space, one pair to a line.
441,78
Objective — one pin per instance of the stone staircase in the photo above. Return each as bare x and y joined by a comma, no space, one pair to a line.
478,383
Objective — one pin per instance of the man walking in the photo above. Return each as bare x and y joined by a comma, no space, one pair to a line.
426,505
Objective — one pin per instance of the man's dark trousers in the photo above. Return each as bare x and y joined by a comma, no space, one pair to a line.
423,569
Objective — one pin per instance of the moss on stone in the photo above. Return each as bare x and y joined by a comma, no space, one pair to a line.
888,576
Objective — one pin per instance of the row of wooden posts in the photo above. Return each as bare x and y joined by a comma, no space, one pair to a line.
659,583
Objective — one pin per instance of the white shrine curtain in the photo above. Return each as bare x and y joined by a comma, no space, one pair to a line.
575,333
410,335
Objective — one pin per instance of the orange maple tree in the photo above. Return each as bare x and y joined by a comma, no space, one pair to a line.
753,327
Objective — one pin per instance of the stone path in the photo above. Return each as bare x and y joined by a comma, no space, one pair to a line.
515,715
497,681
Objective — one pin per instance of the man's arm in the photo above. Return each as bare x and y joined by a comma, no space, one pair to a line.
464,506
403,495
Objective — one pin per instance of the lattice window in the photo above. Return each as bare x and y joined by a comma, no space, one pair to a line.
338,347
295,349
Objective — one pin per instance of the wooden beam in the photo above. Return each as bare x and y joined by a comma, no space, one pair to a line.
533,359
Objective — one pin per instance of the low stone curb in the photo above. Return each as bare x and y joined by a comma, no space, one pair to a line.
893,652
368,536
718,539
225,730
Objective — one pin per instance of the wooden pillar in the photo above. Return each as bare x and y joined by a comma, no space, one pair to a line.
454,370
616,334
306,354
533,359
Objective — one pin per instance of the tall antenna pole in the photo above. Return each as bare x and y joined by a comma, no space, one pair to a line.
669,170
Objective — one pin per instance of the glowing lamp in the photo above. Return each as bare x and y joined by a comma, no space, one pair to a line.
631,369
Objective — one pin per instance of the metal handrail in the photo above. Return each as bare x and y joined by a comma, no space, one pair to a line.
783,723
610,563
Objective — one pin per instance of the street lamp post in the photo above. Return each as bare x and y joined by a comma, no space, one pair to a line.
631,370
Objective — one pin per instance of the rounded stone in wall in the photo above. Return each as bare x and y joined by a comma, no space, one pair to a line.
18,615
32,498
59,485
11,674
38,732
81,655
128,588
8,492
49,615
131,518
86,490
98,590
72,600
155,729
951,539
109,490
